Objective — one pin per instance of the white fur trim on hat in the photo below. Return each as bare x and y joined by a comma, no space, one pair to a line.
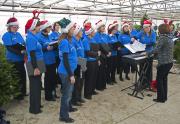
126,24
113,25
13,24
146,25
47,24
99,24
89,31
65,30
77,29
33,26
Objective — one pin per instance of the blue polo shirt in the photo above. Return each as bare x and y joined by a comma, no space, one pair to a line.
67,47
79,47
133,33
87,47
49,56
55,35
32,43
113,39
147,39
124,39
10,39
101,38
84,34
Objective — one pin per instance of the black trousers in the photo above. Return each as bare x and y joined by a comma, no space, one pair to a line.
162,81
124,67
50,81
111,71
77,92
21,73
58,79
90,78
35,94
102,75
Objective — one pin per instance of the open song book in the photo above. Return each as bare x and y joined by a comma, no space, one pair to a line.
135,47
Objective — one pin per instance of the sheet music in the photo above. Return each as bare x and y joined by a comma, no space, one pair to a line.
174,39
135,47
52,43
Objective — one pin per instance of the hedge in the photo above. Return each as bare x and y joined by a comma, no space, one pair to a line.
8,79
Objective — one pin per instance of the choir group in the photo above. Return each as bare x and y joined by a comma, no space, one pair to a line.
79,58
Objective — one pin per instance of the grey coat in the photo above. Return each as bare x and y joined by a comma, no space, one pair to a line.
164,49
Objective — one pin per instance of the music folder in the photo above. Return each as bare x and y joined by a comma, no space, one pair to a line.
54,43
82,62
40,64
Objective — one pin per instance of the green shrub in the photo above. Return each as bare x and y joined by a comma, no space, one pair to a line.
8,79
137,27
177,52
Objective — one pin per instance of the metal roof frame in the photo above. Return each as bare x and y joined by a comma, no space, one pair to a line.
131,9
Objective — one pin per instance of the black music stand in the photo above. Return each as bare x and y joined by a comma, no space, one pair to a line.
139,87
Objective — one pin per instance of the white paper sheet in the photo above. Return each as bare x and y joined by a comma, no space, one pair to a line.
135,47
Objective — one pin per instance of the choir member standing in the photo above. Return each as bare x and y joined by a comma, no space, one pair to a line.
124,38
92,53
49,59
102,39
35,63
147,36
14,44
80,70
68,64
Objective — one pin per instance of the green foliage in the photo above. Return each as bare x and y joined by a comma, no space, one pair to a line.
177,52
8,79
137,27
145,17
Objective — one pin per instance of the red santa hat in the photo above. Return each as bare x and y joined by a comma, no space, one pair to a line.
169,22
99,24
45,24
147,23
32,23
125,24
12,22
77,29
88,29
115,23
86,22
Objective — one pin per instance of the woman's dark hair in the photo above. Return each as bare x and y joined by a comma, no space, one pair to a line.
64,36
128,32
164,29
54,25
110,31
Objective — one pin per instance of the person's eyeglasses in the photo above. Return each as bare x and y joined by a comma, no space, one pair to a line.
15,27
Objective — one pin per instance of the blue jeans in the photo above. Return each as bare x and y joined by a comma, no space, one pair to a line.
67,89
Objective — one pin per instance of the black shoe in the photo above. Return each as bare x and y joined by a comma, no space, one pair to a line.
36,112
73,109
111,83
76,104
88,97
127,77
115,82
157,100
82,101
57,97
52,99
67,120
41,106
121,79
95,93
20,97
